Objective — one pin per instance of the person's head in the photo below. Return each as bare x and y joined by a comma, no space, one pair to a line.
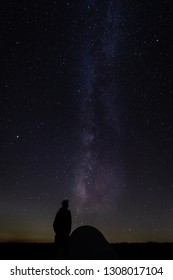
65,203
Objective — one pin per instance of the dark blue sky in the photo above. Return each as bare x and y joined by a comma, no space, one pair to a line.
86,113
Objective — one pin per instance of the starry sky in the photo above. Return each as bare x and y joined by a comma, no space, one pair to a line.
86,113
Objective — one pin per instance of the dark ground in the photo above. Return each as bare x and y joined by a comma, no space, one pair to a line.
125,251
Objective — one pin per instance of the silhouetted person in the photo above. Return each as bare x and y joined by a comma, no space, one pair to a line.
62,227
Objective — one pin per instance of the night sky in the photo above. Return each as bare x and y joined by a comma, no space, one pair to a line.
86,113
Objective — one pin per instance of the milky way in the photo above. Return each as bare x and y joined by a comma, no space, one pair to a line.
99,177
